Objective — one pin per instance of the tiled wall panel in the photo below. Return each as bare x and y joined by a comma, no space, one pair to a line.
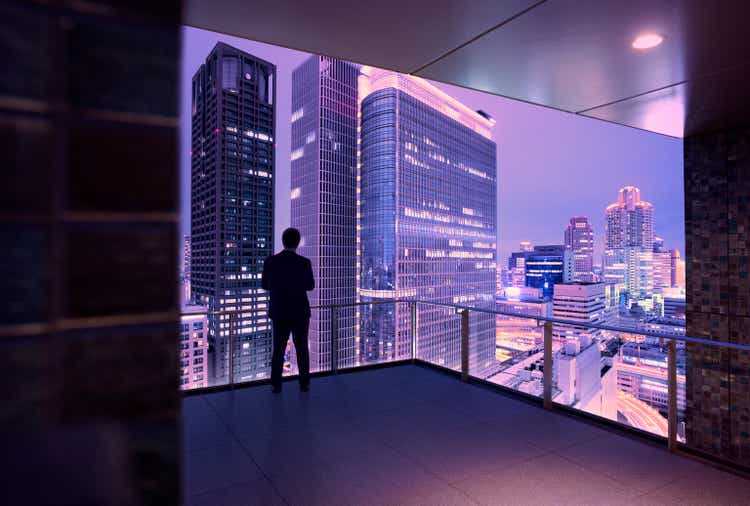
88,263
717,213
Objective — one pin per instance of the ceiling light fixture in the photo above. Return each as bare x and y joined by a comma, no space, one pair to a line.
647,41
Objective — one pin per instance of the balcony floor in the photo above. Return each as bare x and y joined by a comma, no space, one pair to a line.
412,435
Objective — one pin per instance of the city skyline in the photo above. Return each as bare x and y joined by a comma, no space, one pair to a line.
576,163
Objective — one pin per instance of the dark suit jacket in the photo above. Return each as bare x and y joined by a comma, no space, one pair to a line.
288,276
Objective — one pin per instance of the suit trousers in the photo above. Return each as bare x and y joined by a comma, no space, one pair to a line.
281,330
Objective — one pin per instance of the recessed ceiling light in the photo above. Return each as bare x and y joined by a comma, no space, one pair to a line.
647,41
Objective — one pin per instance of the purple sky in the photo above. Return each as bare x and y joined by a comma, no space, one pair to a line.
551,165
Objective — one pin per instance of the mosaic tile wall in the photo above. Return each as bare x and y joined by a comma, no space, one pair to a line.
717,214
88,262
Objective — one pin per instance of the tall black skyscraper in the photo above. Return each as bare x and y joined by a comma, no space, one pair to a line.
232,223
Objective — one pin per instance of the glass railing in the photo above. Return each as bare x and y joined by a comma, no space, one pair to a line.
634,377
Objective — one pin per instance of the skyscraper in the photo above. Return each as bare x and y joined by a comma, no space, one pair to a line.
324,200
579,238
630,221
232,169
629,233
547,266
428,219
662,269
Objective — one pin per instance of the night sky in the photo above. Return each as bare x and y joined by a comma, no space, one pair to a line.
551,165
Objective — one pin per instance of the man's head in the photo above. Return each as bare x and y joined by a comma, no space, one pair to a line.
290,238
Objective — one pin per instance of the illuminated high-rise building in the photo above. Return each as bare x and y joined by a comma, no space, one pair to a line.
232,171
547,266
193,347
579,238
428,219
630,221
629,242
323,197
662,268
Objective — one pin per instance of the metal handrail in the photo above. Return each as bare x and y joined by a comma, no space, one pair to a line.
543,319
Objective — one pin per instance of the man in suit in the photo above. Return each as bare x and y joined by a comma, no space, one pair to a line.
289,276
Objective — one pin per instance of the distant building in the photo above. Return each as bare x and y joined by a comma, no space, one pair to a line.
193,347
580,302
514,257
583,379
547,266
526,246
629,243
579,238
671,325
428,220
674,302
658,244
643,373
662,269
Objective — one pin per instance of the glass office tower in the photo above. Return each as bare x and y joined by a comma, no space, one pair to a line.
428,219
323,197
231,229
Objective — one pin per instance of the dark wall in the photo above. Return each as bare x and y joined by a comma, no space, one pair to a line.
717,233
88,262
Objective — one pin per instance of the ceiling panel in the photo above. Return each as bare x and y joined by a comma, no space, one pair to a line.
398,35
575,54
717,101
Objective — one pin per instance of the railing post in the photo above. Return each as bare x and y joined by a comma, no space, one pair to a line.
334,316
672,393
465,345
413,308
231,349
547,365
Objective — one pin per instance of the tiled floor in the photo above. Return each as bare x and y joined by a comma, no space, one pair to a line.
411,435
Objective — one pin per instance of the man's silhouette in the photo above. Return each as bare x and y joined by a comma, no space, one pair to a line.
289,276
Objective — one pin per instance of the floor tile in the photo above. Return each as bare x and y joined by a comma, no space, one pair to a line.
203,429
548,479
258,492
705,486
217,467
637,464
550,430
459,452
